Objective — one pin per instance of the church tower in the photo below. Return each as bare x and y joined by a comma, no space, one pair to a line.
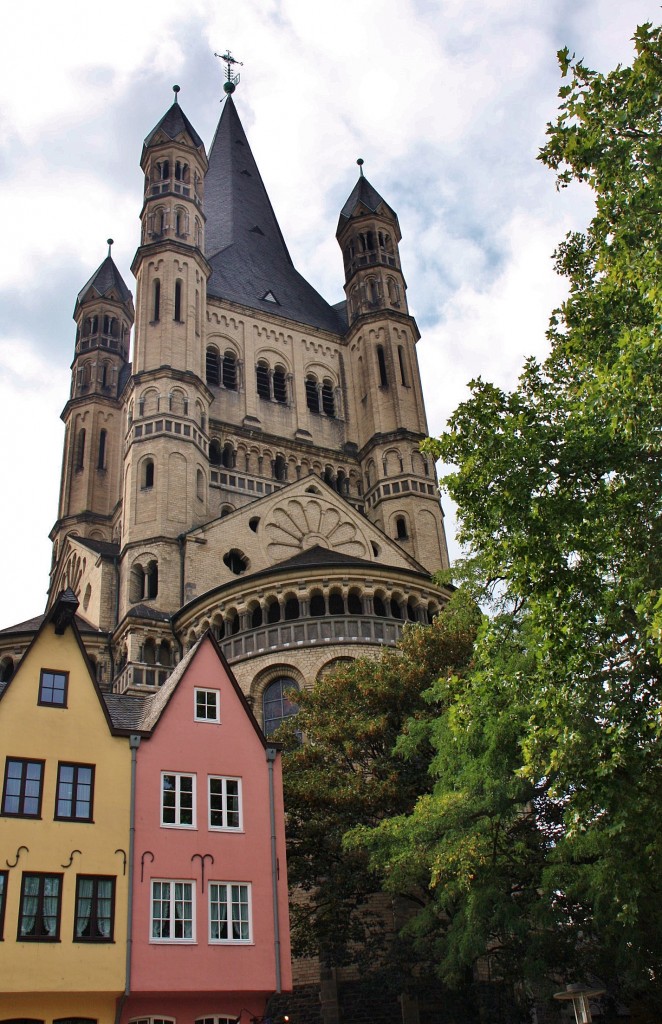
92,459
401,493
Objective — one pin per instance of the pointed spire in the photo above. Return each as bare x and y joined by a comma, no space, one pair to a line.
364,193
106,280
173,124
244,243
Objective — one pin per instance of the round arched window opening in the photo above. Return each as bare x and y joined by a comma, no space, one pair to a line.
277,704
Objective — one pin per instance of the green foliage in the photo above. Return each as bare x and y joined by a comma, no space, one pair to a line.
346,772
540,842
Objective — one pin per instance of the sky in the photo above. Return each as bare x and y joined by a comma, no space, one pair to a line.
446,101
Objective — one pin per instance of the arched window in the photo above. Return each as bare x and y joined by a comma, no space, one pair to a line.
403,368
317,605
379,606
136,583
178,302
213,366
277,703
336,603
156,300
215,454
256,617
273,611
280,385
312,395
148,474
200,485
80,449
149,652
262,378
230,371
165,654
381,362
6,669
396,611
401,528
328,399
354,603
280,468
292,610
101,460
228,458
152,580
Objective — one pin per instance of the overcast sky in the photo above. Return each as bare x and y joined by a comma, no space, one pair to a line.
445,100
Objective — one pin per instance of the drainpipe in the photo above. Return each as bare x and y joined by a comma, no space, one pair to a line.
272,753
134,743
181,540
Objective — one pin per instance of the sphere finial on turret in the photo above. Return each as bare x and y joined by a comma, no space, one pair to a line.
176,89
109,243
360,162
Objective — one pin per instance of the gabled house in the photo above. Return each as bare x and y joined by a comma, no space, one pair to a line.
64,828
210,935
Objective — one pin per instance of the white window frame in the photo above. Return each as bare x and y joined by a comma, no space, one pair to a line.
213,889
171,940
206,718
216,1018
178,776
224,779
153,1020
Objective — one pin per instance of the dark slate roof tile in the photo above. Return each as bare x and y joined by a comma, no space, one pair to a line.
127,710
245,246
105,280
102,547
172,124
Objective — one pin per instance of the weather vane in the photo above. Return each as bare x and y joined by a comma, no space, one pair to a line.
231,81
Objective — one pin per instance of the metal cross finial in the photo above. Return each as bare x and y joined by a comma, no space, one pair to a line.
110,244
360,162
231,81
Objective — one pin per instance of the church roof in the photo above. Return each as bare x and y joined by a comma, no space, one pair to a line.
106,548
173,124
106,280
244,244
32,625
364,194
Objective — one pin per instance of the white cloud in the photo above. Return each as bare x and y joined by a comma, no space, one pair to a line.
446,100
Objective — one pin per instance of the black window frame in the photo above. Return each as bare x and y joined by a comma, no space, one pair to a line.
73,816
42,701
42,876
94,916
22,795
4,880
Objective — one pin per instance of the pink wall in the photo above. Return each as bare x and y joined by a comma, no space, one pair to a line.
233,747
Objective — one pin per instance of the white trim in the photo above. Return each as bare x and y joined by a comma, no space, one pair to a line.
217,693
171,919
224,799
178,776
249,901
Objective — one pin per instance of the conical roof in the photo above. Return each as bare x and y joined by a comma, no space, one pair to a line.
106,280
244,244
364,194
173,123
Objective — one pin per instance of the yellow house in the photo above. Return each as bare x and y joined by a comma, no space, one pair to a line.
64,835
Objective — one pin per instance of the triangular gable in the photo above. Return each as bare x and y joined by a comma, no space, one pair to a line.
162,700
302,515
60,619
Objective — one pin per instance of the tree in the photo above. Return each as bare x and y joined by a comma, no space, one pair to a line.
346,772
559,491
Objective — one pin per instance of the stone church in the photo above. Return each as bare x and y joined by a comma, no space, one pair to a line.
252,465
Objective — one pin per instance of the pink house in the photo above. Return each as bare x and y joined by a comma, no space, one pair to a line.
210,927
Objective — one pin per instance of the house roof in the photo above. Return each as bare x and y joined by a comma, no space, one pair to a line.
244,244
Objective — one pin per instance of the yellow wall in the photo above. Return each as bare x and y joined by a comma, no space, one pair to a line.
77,733
99,1006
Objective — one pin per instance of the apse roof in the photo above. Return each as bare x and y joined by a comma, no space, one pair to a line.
244,244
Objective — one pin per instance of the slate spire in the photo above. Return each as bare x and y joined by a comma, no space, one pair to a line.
106,282
244,244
